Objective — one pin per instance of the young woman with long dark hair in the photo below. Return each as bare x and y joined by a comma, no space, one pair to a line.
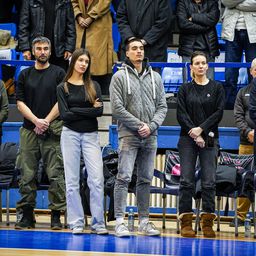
79,100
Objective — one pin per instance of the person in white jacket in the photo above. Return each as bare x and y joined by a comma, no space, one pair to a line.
238,29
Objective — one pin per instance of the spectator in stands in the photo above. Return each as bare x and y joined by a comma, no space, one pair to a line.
3,107
139,105
53,19
199,110
246,127
238,29
197,21
94,31
40,134
149,21
80,104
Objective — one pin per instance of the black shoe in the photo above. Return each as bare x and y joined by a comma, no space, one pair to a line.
240,223
27,220
55,220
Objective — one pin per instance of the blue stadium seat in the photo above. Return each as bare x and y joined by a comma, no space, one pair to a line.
172,77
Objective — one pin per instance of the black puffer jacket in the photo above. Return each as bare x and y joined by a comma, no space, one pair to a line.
149,21
32,24
203,22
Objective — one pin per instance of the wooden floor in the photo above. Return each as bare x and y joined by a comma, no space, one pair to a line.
43,241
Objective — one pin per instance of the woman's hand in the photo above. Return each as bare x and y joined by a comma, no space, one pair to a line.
195,132
81,21
200,142
97,103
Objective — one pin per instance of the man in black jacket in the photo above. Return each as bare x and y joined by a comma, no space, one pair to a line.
197,21
246,127
148,20
53,19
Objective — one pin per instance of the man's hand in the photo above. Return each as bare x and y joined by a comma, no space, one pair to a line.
144,130
200,142
250,136
41,125
67,55
27,55
195,132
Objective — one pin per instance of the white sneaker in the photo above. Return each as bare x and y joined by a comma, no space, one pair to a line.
148,229
121,230
100,231
77,230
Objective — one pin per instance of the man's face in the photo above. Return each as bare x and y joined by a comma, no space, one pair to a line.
135,53
42,52
253,71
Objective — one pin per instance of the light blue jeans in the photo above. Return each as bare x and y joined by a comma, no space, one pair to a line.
142,151
71,145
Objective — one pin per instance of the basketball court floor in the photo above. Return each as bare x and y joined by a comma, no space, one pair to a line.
42,241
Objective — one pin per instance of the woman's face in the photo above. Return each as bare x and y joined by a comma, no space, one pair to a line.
81,64
199,66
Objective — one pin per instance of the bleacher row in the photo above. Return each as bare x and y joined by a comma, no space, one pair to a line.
171,76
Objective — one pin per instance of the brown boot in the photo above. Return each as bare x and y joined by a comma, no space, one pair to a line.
186,225
206,223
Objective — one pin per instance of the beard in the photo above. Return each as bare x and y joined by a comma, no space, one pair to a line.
42,60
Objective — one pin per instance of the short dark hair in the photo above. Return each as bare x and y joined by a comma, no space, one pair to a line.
127,45
41,39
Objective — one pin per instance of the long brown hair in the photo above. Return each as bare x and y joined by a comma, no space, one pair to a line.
88,84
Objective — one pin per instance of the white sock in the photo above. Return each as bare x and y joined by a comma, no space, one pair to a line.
119,220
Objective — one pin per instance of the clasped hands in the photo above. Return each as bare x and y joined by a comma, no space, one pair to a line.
144,130
41,125
84,23
195,133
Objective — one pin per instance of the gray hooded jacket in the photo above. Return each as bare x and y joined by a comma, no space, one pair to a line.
137,99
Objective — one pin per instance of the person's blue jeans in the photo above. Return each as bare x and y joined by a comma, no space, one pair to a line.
188,152
143,151
234,53
71,145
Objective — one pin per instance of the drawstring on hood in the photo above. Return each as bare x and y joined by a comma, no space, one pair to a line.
145,66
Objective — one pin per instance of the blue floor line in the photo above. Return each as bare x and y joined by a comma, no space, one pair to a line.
163,245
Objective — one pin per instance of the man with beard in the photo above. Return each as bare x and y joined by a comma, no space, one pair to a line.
37,102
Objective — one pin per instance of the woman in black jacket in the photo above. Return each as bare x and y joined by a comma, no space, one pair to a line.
199,111
197,20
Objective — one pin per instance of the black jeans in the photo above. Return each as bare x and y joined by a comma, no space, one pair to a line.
188,152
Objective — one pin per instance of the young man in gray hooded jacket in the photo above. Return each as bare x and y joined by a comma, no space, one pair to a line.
139,105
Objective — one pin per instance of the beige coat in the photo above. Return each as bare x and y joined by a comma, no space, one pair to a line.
99,40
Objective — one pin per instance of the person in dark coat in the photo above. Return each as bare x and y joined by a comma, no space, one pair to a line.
246,128
197,21
53,19
149,21
3,107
